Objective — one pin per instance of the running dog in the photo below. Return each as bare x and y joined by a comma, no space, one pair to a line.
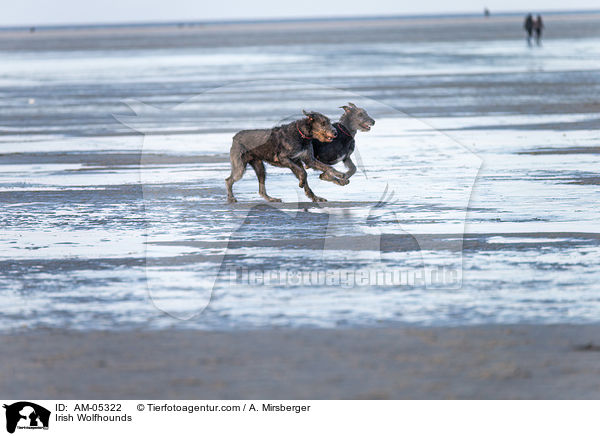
289,146
340,149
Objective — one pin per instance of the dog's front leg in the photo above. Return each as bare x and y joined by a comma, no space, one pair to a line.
330,173
329,178
310,161
300,173
351,167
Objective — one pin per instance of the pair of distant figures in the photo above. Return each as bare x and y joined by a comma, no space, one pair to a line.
532,25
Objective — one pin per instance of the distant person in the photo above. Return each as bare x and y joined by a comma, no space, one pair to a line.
528,27
486,13
538,26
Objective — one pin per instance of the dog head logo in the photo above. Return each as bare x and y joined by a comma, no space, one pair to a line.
26,415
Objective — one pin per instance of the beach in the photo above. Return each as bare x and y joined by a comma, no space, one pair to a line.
486,362
464,248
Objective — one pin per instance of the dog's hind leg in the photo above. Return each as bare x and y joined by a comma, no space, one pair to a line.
261,174
238,167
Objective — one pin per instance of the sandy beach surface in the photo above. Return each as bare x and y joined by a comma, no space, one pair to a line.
473,215
491,362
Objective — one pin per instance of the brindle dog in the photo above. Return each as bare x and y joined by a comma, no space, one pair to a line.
287,146
340,149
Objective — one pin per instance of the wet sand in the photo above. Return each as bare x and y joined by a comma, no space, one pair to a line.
485,362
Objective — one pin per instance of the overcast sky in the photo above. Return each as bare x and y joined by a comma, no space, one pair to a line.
29,12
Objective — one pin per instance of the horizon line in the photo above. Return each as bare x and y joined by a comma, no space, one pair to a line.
217,21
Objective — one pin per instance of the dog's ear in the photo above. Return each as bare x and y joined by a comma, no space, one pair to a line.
352,105
308,115
346,108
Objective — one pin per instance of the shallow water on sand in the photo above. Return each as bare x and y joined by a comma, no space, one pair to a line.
121,222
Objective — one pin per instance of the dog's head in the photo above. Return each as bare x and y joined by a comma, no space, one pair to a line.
357,118
320,126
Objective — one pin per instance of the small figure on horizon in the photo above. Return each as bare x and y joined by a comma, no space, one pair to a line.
538,26
528,26
486,12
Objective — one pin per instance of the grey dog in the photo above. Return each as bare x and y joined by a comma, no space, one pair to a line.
340,149
288,146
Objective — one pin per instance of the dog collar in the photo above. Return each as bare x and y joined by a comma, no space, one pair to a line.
302,134
339,126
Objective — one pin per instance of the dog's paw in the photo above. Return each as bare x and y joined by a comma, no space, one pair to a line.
342,182
231,200
319,199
